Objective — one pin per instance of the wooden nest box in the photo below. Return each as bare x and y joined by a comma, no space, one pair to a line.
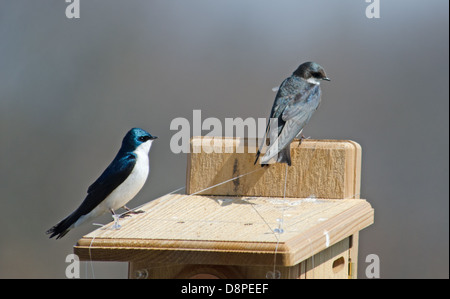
261,224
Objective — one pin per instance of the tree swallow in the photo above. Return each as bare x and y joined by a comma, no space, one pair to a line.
296,100
116,186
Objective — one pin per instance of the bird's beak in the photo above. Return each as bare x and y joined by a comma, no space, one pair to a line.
153,137
326,79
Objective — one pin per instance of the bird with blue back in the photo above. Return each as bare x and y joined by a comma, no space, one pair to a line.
116,186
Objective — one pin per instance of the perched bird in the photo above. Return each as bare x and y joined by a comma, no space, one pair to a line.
296,100
116,186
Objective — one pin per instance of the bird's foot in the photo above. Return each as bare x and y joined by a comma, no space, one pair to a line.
129,212
133,211
301,139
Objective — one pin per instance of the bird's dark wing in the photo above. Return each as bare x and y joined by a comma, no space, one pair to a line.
114,175
282,100
295,114
304,104
111,178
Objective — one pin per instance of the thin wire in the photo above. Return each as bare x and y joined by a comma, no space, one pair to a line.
268,225
90,254
224,182
280,229
138,207
90,258
160,206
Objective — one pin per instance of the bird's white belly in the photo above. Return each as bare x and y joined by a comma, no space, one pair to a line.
130,187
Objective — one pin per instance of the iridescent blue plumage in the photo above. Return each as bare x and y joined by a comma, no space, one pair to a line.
106,192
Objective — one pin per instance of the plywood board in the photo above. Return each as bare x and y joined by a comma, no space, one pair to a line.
320,168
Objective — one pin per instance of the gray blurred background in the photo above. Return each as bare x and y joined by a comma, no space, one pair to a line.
70,89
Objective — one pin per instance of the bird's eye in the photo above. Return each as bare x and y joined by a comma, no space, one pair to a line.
144,138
